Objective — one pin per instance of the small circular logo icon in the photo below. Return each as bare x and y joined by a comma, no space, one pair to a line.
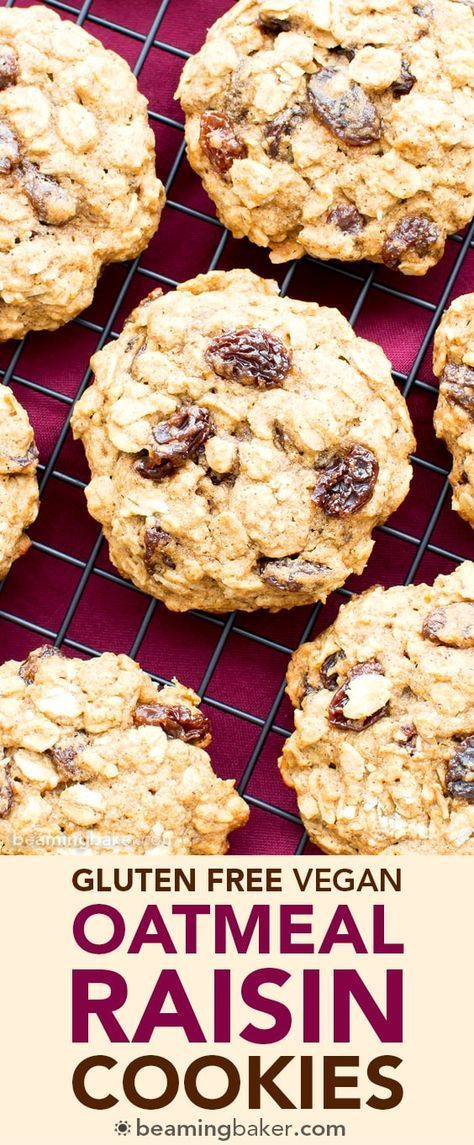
122,1128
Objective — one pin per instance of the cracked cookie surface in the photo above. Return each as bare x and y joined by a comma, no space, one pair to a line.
19,499
96,757
344,130
78,187
242,446
453,364
382,758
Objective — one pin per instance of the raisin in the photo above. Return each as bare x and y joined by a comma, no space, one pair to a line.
348,113
220,142
9,70
216,479
67,758
340,698
177,721
249,356
272,26
460,772
346,217
457,385
281,438
305,689
432,624
277,132
52,204
10,154
347,53
30,666
405,82
408,737
415,233
25,464
326,674
452,625
157,542
292,574
347,482
6,790
175,441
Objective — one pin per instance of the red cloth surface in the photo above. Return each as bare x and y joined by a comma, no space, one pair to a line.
51,595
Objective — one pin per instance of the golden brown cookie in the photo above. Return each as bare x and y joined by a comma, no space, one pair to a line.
341,130
95,757
78,187
453,364
19,501
382,758
242,446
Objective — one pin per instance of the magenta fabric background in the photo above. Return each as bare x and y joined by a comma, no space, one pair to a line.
66,586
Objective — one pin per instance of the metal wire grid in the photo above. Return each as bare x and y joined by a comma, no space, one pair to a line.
105,332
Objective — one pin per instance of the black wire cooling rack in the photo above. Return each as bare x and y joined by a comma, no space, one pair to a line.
364,284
